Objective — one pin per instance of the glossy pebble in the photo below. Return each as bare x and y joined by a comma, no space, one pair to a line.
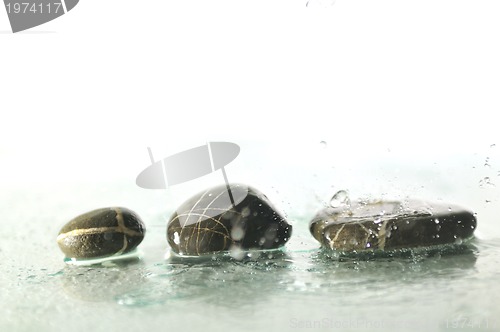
209,222
100,233
387,225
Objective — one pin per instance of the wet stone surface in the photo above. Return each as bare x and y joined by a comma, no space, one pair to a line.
209,222
388,225
101,233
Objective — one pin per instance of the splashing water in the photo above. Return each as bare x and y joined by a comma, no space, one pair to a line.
340,199
486,182
487,162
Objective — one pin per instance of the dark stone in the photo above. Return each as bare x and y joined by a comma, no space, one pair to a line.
209,222
100,233
387,225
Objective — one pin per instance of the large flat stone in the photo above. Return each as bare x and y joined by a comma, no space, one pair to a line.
388,225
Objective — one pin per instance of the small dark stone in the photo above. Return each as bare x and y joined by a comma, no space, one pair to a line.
209,222
387,225
100,233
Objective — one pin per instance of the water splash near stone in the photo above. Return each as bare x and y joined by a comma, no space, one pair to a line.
486,182
340,199
320,3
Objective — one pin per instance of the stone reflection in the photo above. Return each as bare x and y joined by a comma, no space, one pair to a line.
228,282
103,282
438,263
215,280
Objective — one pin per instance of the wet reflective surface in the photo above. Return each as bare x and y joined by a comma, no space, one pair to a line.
299,287
390,225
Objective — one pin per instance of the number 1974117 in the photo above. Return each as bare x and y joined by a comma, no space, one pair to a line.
33,8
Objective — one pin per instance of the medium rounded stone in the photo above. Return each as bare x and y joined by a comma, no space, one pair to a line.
100,233
219,219
387,225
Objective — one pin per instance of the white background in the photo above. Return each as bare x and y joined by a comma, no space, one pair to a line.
82,97
405,93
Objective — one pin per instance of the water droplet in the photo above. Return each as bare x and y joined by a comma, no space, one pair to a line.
449,208
378,220
458,241
323,144
127,301
55,274
486,182
340,199
368,245
436,221
492,145
437,236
